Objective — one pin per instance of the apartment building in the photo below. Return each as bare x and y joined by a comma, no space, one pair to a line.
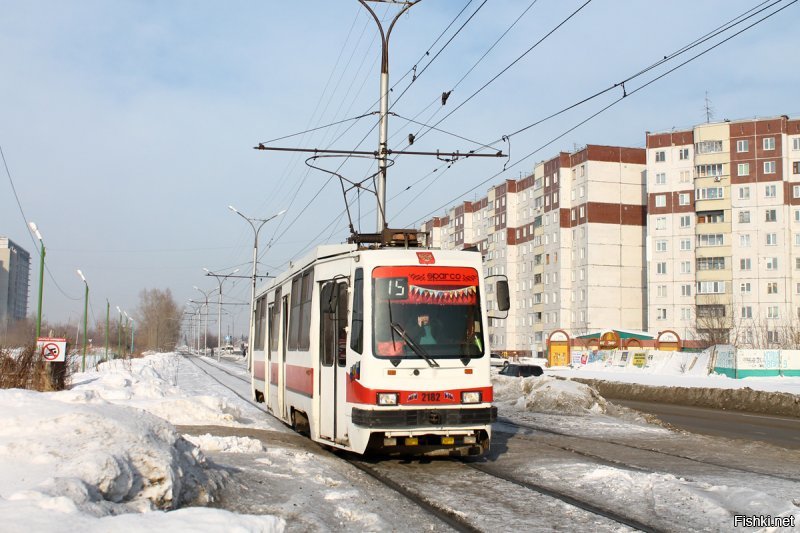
723,237
14,276
570,237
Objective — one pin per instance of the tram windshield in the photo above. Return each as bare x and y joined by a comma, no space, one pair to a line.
426,312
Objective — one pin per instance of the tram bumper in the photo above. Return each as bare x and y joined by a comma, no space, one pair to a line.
431,431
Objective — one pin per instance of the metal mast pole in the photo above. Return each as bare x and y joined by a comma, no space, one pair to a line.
38,234
220,279
383,129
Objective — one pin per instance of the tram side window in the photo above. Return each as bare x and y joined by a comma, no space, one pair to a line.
274,324
300,315
328,324
270,328
260,322
341,325
357,330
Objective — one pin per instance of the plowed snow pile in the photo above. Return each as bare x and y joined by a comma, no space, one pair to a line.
547,394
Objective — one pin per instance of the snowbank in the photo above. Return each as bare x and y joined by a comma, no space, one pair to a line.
96,458
546,394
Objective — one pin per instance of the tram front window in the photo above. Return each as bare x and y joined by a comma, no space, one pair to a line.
437,309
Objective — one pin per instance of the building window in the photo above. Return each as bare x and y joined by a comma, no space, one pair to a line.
744,217
797,263
686,267
796,167
796,191
709,193
772,336
772,263
710,287
743,169
662,291
769,143
797,215
708,147
661,267
686,313
747,312
661,246
742,145
745,288
772,312
661,178
796,143
710,239
772,287
772,239
686,244
661,314
661,200
661,223
714,169
769,167
744,193
686,290
744,240
710,263
745,264
661,156
683,198
685,176
683,154
769,191
770,215
686,221
581,211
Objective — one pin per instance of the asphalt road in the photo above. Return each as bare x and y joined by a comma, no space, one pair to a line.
778,430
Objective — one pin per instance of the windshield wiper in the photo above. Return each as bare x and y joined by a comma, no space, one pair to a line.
419,350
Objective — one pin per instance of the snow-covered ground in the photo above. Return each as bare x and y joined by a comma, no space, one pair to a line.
105,455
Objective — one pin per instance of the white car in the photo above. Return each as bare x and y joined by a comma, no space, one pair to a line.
537,361
497,360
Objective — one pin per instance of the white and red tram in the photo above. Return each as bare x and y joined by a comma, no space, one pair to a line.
381,349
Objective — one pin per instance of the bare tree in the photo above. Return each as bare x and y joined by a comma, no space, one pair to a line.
158,320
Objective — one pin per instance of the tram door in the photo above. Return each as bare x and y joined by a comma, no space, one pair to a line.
282,362
332,355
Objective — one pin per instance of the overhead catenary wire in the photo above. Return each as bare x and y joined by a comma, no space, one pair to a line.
613,103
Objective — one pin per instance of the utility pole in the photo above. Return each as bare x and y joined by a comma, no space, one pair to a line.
383,129
108,309
221,279
38,234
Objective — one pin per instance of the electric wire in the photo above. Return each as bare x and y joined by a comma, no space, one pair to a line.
25,220
613,103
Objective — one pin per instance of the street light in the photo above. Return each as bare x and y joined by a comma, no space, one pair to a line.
205,330
119,331
127,319
256,230
221,279
133,328
85,317
36,232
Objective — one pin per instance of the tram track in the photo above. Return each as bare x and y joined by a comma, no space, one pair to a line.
429,505
617,463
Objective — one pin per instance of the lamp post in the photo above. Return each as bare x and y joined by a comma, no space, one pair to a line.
221,279
108,309
36,232
256,230
133,331
205,329
119,331
127,320
85,317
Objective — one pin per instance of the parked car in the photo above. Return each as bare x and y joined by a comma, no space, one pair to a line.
498,360
522,371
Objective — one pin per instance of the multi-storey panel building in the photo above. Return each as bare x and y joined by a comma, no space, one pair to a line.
724,230
570,239
14,278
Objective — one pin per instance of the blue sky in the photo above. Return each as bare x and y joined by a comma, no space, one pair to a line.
128,126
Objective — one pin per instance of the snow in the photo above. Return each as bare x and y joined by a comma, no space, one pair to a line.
106,455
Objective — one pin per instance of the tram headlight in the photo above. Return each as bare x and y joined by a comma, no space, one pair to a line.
387,398
471,397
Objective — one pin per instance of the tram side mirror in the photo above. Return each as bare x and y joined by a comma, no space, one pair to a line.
327,301
503,299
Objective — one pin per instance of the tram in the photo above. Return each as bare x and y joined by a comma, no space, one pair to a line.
379,348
